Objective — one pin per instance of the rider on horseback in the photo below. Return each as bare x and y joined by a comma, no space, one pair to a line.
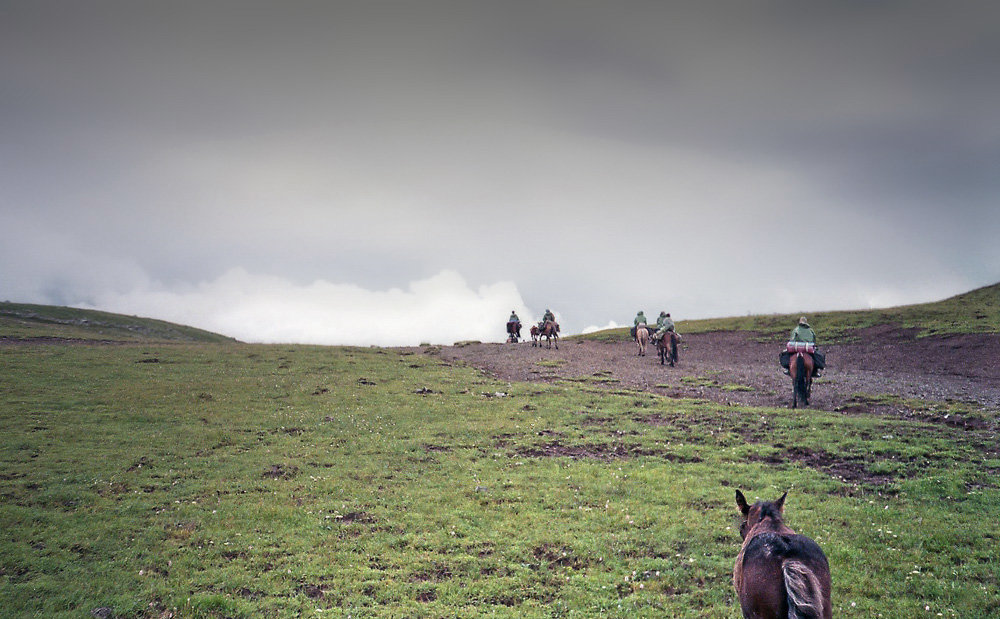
514,324
663,325
640,319
547,317
805,334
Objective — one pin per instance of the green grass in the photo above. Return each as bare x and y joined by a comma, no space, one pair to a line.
229,480
24,321
977,311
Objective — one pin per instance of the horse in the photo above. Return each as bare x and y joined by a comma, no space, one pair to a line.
800,368
534,335
550,331
641,338
666,346
513,331
779,574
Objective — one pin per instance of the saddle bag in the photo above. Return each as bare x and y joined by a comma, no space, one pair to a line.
808,347
819,360
784,358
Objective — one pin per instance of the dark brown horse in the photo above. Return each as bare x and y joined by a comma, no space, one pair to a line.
666,346
779,574
513,331
800,368
550,331
534,335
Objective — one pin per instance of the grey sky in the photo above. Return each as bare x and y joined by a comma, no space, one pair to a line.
805,156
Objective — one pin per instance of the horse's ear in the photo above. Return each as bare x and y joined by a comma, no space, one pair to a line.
741,502
780,503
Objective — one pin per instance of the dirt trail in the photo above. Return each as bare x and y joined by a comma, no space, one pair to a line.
738,368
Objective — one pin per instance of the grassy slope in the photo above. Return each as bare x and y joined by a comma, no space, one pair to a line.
23,321
977,311
228,480
273,481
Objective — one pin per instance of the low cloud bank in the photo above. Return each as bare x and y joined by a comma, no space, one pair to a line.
258,308
594,328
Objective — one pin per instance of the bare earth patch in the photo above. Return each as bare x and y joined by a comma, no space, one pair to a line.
736,368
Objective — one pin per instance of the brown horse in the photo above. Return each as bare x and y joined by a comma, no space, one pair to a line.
800,368
550,331
666,346
534,335
513,332
779,574
641,338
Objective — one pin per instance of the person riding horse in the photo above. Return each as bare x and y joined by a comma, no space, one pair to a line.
640,319
514,324
547,317
663,324
804,333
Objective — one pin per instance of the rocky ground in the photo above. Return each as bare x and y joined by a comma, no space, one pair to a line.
885,370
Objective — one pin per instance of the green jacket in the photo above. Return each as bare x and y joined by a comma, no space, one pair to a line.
513,318
549,316
640,318
803,333
663,323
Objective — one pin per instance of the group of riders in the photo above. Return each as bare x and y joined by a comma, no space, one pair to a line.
802,339
514,324
664,324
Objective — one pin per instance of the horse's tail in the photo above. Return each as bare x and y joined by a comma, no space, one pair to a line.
805,594
800,376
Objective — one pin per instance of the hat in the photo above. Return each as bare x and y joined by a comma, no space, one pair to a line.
662,313
803,321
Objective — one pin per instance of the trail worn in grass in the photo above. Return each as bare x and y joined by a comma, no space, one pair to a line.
226,480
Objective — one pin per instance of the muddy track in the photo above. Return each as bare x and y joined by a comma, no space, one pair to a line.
739,368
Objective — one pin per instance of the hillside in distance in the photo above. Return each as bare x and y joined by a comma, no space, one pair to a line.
20,321
977,311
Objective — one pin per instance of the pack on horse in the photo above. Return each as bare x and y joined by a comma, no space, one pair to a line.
666,346
513,331
779,574
641,338
550,331
798,357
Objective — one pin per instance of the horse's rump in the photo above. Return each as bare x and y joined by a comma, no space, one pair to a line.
788,573
513,326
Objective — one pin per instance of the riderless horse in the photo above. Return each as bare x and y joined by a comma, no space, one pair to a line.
641,338
534,335
779,574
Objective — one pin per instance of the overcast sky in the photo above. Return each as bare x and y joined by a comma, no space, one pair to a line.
395,172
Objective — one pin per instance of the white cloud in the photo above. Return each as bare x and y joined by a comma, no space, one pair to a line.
261,308
593,328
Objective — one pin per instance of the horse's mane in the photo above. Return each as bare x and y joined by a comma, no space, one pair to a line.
770,510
